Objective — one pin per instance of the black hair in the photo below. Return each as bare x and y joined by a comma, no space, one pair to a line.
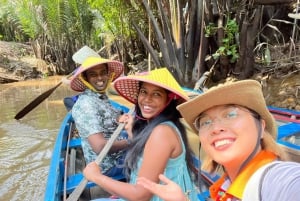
142,129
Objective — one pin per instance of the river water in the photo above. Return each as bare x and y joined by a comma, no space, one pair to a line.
26,144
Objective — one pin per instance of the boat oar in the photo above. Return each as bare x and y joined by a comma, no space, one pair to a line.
79,189
78,57
37,101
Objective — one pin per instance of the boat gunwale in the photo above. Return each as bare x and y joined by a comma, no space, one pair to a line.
55,174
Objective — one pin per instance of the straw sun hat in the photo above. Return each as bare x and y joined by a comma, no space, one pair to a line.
128,86
113,67
247,93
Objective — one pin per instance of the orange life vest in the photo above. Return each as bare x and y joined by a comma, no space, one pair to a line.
237,187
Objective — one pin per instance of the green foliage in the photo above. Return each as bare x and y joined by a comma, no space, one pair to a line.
113,21
56,28
210,30
229,46
26,14
267,56
10,26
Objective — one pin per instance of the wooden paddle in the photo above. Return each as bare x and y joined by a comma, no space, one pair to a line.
79,189
36,101
78,57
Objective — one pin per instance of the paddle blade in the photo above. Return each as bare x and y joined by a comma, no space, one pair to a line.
35,102
78,57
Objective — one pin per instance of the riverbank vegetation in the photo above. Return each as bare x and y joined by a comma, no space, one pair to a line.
197,40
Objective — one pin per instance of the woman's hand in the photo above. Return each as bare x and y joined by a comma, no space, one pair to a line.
91,171
128,120
169,191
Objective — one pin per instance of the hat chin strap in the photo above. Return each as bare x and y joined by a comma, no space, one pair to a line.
89,86
258,122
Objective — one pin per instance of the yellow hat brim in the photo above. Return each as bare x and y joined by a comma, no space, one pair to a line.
128,86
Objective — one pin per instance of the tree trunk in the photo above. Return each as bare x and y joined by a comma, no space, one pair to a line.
245,65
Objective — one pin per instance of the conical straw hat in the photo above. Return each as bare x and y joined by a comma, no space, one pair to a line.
85,52
128,86
113,67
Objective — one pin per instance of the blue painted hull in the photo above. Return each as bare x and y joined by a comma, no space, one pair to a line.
56,171
288,131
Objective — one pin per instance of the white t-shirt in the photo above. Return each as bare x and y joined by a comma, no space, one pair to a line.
276,181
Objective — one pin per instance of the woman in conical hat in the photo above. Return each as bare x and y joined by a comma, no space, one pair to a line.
94,116
237,133
159,144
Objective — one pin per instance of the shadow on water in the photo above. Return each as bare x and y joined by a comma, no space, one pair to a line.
26,145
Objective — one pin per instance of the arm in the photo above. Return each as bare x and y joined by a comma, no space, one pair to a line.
86,118
97,142
281,182
160,146
128,120
170,191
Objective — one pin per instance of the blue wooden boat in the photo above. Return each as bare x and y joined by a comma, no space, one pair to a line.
288,131
67,158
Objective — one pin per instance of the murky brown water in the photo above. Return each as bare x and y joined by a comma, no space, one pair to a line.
26,145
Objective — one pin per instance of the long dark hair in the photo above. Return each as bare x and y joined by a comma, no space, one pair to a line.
142,129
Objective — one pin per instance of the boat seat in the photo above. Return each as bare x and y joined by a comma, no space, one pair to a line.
204,196
75,142
74,180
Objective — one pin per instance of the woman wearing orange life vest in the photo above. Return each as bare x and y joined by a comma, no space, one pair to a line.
238,134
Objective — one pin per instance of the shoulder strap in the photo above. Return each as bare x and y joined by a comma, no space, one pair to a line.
252,191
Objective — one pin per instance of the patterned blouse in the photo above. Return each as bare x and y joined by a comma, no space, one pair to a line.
93,114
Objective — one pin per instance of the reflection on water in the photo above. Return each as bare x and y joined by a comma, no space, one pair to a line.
26,145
